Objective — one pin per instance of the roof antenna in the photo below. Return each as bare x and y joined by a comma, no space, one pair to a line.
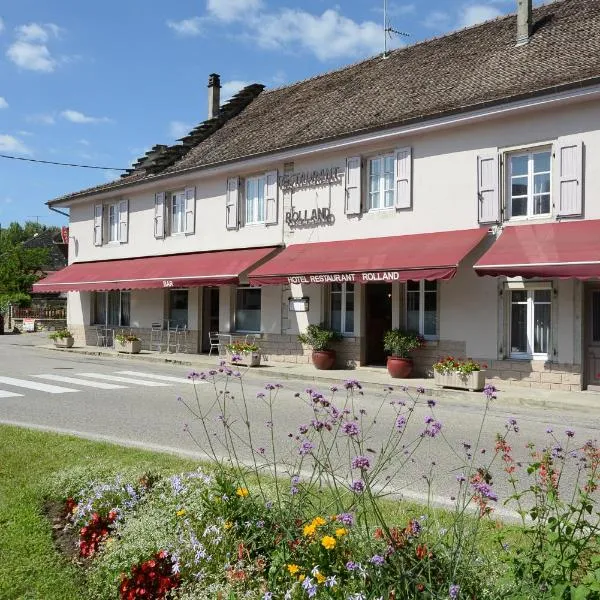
388,31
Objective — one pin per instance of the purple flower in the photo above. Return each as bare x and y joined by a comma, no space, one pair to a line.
358,486
294,490
431,403
236,358
489,391
351,565
260,395
222,363
260,451
569,433
432,429
193,375
303,429
269,424
346,519
350,384
420,390
453,591
415,527
351,428
268,596
333,388
212,372
360,462
428,419
295,480
461,478
309,587
400,422
377,560
485,490
269,386
306,448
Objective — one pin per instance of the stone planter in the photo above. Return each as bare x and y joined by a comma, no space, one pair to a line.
474,381
66,342
251,359
133,347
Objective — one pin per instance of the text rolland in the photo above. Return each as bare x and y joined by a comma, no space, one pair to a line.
346,277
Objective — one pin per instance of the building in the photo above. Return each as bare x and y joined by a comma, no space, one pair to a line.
448,187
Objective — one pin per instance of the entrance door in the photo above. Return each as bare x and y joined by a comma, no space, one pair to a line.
592,336
210,314
378,319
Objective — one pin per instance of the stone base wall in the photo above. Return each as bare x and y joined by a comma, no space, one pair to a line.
535,373
432,352
41,324
86,336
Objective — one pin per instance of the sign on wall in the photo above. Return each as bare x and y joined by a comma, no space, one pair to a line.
367,277
307,218
304,179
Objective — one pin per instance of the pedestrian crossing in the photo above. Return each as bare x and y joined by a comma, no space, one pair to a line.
52,383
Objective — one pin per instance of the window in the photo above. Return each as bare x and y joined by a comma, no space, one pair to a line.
178,308
112,308
530,312
113,223
421,308
177,212
381,182
255,200
529,183
247,309
342,308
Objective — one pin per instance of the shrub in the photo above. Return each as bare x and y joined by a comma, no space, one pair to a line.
318,337
449,364
122,338
401,343
60,334
242,348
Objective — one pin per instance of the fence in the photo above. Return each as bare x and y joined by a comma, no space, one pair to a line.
58,312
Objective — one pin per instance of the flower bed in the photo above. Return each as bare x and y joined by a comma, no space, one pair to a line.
459,373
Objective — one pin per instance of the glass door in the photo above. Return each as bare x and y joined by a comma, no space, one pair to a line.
593,338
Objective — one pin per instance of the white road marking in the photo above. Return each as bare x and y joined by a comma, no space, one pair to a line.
123,379
195,381
33,385
82,382
5,394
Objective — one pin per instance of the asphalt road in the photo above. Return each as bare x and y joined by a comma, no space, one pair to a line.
134,402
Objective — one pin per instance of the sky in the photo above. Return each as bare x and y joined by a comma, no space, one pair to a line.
99,83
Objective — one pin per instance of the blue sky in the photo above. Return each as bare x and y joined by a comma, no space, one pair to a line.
101,82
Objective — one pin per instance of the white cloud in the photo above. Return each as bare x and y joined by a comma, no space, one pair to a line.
477,13
9,143
44,119
33,57
3,103
437,20
32,33
233,10
328,36
83,142
177,129
77,117
231,88
8,200
187,27
24,132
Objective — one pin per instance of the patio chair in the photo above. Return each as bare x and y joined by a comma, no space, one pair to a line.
156,337
213,340
102,335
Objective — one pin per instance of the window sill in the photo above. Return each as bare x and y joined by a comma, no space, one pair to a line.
537,357
380,210
257,224
546,217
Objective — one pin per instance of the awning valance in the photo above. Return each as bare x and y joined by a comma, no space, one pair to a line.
176,270
566,250
401,258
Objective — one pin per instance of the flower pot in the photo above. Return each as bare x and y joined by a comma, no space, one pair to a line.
323,359
66,342
133,347
474,381
399,368
254,359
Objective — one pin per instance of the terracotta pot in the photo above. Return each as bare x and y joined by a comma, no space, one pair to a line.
399,368
323,359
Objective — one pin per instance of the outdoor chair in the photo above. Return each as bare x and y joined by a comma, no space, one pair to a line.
213,339
156,337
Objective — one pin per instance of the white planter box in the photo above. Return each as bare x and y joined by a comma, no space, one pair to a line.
133,347
64,342
474,382
252,359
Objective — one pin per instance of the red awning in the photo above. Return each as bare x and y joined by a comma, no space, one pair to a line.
565,250
176,270
402,258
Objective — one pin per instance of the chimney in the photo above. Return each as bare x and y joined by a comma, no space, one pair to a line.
214,94
523,21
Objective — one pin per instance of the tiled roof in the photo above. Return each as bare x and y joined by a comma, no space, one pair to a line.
471,68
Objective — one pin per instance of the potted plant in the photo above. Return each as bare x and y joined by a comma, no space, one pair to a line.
319,338
246,351
400,344
63,338
465,374
129,343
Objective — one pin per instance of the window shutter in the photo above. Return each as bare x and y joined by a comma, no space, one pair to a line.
159,215
123,221
232,202
353,187
570,178
98,224
487,189
190,210
403,178
271,193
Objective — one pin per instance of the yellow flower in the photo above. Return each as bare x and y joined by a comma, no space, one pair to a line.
180,513
293,569
340,532
228,525
301,578
318,521
309,530
320,578
328,542
242,492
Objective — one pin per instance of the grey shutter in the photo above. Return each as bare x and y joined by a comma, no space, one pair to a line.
190,210
232,202
353,186
271,193
403,178
123,221
570,178
159,215
487,189
98,224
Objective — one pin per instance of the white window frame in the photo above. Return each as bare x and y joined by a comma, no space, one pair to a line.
177,199
422,293
529,152
382,189
246,287
257,219
530,291
112,234
344,295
